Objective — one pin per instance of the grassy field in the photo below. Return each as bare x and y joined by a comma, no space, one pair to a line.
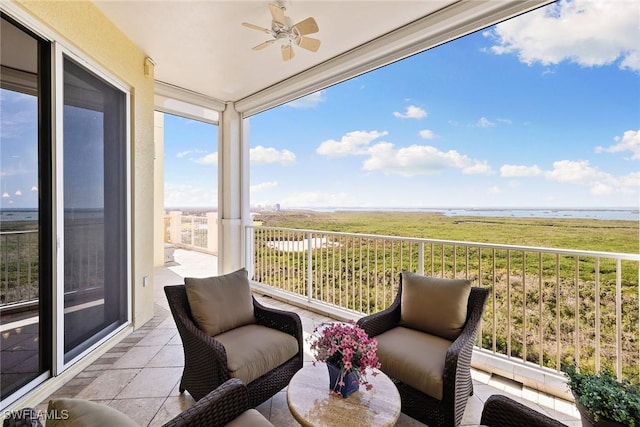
582,234
542,309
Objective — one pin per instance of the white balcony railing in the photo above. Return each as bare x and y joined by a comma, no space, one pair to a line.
194,232
548,307
19,267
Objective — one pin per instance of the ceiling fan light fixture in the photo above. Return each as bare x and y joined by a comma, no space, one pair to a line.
286,34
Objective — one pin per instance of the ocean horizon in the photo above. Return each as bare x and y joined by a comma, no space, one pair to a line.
616,213
612,213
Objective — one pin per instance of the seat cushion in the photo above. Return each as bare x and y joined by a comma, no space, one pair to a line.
220,303
65,412
250,418
254,350
414,357
433,305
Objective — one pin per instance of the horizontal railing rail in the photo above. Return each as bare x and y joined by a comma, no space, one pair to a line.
548,307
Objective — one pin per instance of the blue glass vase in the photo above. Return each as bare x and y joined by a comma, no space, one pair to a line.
351,383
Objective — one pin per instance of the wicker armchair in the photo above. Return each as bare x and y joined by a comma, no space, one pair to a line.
205,357
456,379
226,404
502,411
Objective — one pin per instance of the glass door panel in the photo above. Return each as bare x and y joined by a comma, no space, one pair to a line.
25,232
95,209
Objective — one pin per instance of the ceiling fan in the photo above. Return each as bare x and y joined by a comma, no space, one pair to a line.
286,34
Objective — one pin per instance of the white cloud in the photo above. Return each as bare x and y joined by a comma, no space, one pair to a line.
587,32
520,170
427,134
412,112
308,101
630,141
419,160
578,172
478,168
260,154
483,122
263,186
352,143
209,159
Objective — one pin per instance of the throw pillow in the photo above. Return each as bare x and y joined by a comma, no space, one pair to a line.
433,305
220,303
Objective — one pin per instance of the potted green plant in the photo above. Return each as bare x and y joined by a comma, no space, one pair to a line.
602,400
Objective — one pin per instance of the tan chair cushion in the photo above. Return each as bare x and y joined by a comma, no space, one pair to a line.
65,412
414,357
220,303
436,306
250,418
255,350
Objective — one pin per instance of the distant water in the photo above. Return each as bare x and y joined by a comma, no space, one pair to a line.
627,214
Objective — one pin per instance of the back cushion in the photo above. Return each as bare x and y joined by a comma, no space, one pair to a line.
433,305
220,303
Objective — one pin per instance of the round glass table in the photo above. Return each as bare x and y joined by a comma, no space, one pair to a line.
311,404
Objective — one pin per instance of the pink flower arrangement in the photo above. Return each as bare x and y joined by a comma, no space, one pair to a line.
348,347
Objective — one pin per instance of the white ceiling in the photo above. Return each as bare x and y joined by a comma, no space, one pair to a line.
201,46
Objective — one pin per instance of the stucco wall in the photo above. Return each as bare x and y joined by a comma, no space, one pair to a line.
82,25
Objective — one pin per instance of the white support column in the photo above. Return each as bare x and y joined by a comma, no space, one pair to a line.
233,197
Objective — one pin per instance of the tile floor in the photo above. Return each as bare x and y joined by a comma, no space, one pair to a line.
140,375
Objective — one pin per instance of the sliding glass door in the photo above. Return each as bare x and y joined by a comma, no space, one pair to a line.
25,208
95,208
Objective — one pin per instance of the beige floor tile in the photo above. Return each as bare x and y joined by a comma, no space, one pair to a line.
171,407
168,323
108,385
473,411
176,340
280,414
142,410
406,421
168,356
158,336
137,357
151,382
265,408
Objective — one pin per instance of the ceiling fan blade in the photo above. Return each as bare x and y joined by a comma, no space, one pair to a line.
307,26
263,45
308,43
287,52
256,27
278,14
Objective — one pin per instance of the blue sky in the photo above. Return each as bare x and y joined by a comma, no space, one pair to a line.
540,111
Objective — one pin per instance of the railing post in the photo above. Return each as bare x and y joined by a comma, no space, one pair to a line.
212,232
175,227
421,258
309,266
